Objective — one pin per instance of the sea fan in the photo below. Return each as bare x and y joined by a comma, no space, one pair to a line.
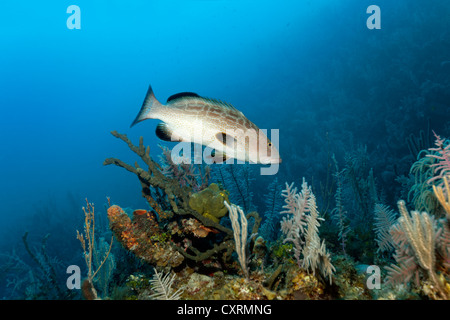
162,285
384,219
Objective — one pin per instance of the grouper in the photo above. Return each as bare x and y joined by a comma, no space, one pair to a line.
188,117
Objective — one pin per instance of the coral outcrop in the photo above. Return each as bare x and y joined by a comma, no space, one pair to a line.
142,236
191,215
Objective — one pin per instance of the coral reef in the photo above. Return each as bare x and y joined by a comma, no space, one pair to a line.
421,241
297,285
163,192
192,217
195,250
186,231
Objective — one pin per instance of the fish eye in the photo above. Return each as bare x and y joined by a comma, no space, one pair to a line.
269,144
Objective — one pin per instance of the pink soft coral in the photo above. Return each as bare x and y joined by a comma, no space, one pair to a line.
442,167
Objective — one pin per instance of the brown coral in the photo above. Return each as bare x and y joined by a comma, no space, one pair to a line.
142,236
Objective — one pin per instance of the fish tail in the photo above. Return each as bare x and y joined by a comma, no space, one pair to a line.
148,107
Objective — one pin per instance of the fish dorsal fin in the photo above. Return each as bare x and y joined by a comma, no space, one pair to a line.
182,95
195,95
221,103
164,132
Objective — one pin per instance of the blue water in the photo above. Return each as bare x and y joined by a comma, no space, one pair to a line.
308,68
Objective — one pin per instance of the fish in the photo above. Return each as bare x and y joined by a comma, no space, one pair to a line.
188,117
139,212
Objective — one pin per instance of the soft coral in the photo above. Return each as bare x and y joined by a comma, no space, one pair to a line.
442,167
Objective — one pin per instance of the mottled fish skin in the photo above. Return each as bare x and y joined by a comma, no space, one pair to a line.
217,115
202,120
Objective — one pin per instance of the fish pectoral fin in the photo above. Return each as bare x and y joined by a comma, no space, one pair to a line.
225,138
218,154
164,132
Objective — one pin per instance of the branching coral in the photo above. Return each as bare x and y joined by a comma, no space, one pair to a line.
188,174
166,196
429,173
174,196
90,251
444,199
441,173
420,231
359,176
293,227
442,154
443,195
421,242
339,214
417,241
310,252
89,236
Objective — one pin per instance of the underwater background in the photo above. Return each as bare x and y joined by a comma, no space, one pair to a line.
354,107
